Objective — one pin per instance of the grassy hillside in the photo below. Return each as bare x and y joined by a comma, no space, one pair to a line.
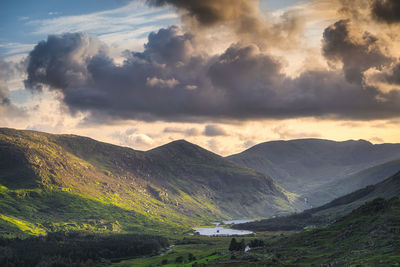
368,236
66,182
328,213
301,166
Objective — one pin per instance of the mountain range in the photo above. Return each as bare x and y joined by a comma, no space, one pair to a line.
67,182
62,182
321,170
330,212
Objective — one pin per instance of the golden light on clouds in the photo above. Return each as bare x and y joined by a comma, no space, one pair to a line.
226,77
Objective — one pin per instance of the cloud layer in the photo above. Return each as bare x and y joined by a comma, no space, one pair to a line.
386,11
174,80
241,83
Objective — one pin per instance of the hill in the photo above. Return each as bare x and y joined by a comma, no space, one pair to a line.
330,212
368,236
67,182
301,166
351,183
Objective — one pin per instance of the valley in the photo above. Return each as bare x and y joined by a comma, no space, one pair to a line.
188,203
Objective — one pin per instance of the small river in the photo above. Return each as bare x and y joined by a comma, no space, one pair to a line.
221,231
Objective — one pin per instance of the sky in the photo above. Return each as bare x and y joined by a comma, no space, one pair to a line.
223,74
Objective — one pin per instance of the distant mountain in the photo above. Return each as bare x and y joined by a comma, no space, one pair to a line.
353,182
302,166
330,212
65,182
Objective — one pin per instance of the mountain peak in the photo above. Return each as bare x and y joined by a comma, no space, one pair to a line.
181,146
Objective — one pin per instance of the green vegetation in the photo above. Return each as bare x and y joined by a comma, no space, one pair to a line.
204,249
38,211
237,246
76,249
53,183
72,201
369,236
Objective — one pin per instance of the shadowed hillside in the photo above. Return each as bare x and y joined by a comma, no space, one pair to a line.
61,182
330,212
306,165
353,182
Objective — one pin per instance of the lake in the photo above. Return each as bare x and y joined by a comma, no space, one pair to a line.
221,231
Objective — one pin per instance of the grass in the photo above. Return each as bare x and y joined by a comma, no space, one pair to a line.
37,211
366,237
205,249
23,226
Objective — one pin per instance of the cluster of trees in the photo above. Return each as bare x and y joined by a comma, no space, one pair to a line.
237,246
241,246
76,249
256,243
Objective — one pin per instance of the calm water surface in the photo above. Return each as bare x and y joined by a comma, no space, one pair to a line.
221,231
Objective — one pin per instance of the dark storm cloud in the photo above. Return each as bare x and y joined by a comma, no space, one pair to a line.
390,76
61,61
210,12
214,130
394,76
357,53
169,81
387,11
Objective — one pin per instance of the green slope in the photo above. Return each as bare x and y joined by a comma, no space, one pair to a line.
67,182
328,213
302,166
368,236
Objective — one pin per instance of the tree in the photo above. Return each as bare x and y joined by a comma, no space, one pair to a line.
179,259
234,244
256,243
241,245
191,257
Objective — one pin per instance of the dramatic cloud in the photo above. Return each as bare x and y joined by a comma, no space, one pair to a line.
61,61
171,81
393,77
357,51
242,16
387,11
211,12
214,130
